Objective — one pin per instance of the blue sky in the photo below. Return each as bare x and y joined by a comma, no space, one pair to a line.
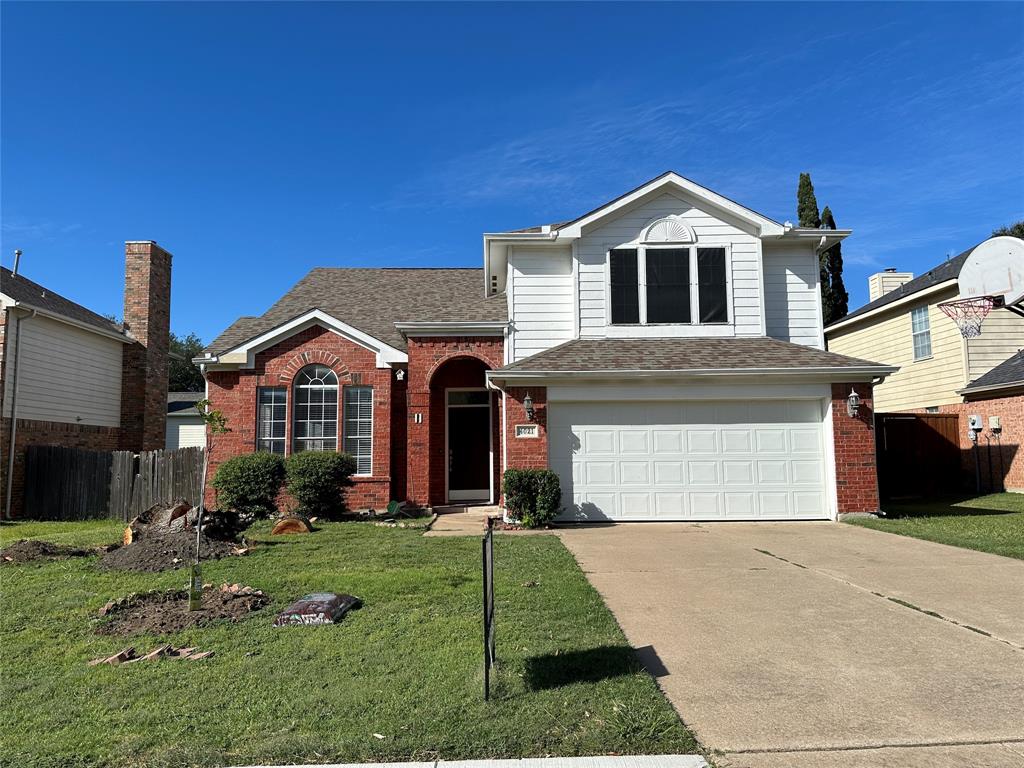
256,141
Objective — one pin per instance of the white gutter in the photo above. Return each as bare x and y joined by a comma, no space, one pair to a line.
802,372
993,388
910,297
14,411
428,328
123,337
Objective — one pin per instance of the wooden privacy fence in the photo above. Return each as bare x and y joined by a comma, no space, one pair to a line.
918,454
74,484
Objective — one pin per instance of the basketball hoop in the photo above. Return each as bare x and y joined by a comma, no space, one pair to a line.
968,314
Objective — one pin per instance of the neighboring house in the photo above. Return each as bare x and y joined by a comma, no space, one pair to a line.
662,353
904,327
71,377
185,427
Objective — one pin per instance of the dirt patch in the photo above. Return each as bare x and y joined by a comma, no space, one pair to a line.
162,613
25,551
161,553
164,537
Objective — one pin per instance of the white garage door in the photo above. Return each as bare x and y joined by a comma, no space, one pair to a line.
185,432
689,460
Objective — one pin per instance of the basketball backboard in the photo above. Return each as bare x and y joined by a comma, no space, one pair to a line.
995,269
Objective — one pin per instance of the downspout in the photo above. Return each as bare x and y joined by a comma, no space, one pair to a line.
14,411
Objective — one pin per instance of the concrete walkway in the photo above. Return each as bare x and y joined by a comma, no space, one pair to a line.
821,644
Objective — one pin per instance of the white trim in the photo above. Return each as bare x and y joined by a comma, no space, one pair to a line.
471,494
909,298
575,290
992,388
823,374
386,354
764,226
831,482
123,337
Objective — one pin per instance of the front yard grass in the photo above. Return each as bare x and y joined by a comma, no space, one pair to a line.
992,523
400,678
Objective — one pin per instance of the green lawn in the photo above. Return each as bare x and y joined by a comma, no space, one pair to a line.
399,679
993,523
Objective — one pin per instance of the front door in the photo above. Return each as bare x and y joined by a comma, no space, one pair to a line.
469,445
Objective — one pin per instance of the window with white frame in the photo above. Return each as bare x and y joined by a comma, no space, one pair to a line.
921,331
668,285
315,409
358,431
271,419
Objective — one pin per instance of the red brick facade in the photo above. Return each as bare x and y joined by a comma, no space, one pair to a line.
1000,457
234,394
526,452
434,364
854,439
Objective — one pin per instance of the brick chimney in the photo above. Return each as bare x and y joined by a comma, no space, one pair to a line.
147,317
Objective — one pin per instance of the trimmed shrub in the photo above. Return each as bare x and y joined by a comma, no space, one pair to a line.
317,481
532,496
249,484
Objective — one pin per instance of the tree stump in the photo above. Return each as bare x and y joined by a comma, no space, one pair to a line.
291,524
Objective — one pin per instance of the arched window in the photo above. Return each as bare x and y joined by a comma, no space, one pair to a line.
316,409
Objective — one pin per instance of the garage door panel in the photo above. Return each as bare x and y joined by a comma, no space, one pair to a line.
689,461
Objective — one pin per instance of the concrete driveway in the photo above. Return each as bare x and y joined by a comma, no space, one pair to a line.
821,644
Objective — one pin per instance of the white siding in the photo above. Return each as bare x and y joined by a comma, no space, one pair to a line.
185,432
1002,334
66,374
792,308
745,270
540,291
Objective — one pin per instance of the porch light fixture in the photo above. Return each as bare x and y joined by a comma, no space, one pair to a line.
528,406
852,404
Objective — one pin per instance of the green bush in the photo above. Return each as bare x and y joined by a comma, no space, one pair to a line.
249,484
317,481
532,496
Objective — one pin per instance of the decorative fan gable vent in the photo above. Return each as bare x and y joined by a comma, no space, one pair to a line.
671,229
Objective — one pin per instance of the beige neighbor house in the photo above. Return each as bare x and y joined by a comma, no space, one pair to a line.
903,325
939,370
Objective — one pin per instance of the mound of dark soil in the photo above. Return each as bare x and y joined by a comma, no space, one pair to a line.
25,551
163,552
165,612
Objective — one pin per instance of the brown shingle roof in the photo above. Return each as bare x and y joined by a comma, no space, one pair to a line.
20,288
1006,374
691,354
373,300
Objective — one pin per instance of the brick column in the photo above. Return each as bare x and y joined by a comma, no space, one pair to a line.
854,439
147,317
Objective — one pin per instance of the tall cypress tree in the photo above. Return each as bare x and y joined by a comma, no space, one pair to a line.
839,299
808,216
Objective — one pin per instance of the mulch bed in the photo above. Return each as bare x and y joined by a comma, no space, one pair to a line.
25,551
164,612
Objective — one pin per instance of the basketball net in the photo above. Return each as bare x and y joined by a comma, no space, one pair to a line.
968,314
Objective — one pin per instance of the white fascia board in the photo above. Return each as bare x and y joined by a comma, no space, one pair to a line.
454,328
825,238
765,226
970,391
386,354
124,338
496,247
822,374
909,298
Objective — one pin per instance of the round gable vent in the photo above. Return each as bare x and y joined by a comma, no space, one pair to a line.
671,229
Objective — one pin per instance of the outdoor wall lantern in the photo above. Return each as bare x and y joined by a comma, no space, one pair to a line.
852,404
528,406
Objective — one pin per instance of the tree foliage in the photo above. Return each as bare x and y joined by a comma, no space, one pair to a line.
1013,230
808,216
839,299
183,375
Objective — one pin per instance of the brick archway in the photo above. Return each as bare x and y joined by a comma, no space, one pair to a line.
436,364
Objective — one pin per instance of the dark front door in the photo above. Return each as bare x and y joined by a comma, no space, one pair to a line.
469,453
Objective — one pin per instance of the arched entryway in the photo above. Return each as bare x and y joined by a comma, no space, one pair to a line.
463,433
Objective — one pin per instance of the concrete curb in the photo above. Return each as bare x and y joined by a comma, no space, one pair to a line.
622,761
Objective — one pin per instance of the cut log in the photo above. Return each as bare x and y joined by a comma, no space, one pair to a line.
293,524
157,652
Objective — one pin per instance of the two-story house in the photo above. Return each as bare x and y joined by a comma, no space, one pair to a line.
663,353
